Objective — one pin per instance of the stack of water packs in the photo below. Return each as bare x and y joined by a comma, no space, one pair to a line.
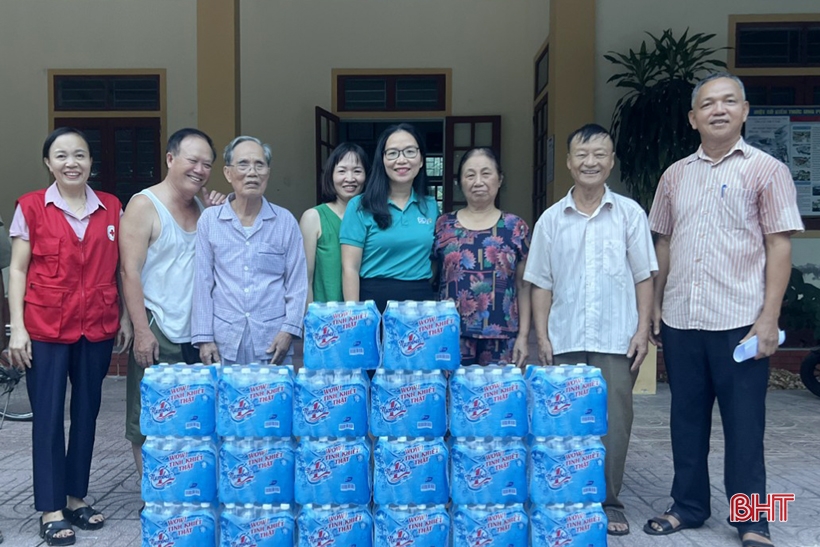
256,455
566,459
179,457
331,406
488,422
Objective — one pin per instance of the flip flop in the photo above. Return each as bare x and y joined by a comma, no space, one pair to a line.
666,526
49,531
616,516
754,542
81,518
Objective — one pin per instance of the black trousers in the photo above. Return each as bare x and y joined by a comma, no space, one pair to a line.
59,473
382,289
701,369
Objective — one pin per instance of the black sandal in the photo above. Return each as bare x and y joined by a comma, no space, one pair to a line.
81,518
616,516
49,531
666,527
754,542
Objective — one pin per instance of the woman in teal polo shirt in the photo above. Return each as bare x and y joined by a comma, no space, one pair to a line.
387,234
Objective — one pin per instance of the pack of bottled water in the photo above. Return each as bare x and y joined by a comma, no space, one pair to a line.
254,401
488,401
256,470
325,525
421,335
488,470
408,403
410,470
570,525
567,401
567,470
333,470
258,525
490,525
179,469
330,403
412,525
342,335
178,524
178,400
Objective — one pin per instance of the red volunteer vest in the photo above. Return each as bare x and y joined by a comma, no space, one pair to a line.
71,285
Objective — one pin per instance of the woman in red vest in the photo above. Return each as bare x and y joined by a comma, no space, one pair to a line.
65,315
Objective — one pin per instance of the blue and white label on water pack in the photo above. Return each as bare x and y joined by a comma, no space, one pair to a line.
410,470
567,525
257,471
256,525
488,401
178,400
345,526
567,470
342,335
333,471
567,401
488,470
330,403
255,401
408,403
179,470
178,525
415,525
489,525
421,336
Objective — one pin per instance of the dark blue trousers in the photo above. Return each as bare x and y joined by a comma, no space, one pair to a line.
59,473
701,368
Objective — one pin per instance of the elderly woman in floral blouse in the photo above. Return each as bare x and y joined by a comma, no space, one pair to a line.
481,253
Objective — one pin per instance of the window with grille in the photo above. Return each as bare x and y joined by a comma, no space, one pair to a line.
106,92
391,93
788,44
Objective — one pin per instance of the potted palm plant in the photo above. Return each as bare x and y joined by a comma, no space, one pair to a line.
650,124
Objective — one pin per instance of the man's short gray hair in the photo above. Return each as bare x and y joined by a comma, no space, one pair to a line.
715,76
228,154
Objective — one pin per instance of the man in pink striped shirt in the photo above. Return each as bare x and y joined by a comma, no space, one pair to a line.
723,218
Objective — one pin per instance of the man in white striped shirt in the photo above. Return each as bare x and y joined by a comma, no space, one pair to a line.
591,264
723,216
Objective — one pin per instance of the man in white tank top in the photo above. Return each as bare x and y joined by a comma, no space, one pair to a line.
157,244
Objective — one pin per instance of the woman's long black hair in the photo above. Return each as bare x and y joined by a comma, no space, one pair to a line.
377,188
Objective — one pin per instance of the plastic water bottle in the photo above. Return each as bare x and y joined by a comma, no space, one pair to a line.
333,471
178,400
567,470
408,403
410,470
421,336
567,401
178,524
570,525
255,401
179,469
342,335
490,525
260,525
488,401
256,470
330,403
488,470
412,525
324,525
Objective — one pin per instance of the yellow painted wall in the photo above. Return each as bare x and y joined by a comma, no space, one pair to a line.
37,35
288,49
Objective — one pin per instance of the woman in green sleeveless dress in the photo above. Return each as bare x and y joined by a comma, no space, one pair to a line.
342,178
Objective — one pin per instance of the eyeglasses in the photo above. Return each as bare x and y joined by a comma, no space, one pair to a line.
393,153
246,166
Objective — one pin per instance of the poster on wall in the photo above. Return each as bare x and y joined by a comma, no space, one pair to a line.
792,135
